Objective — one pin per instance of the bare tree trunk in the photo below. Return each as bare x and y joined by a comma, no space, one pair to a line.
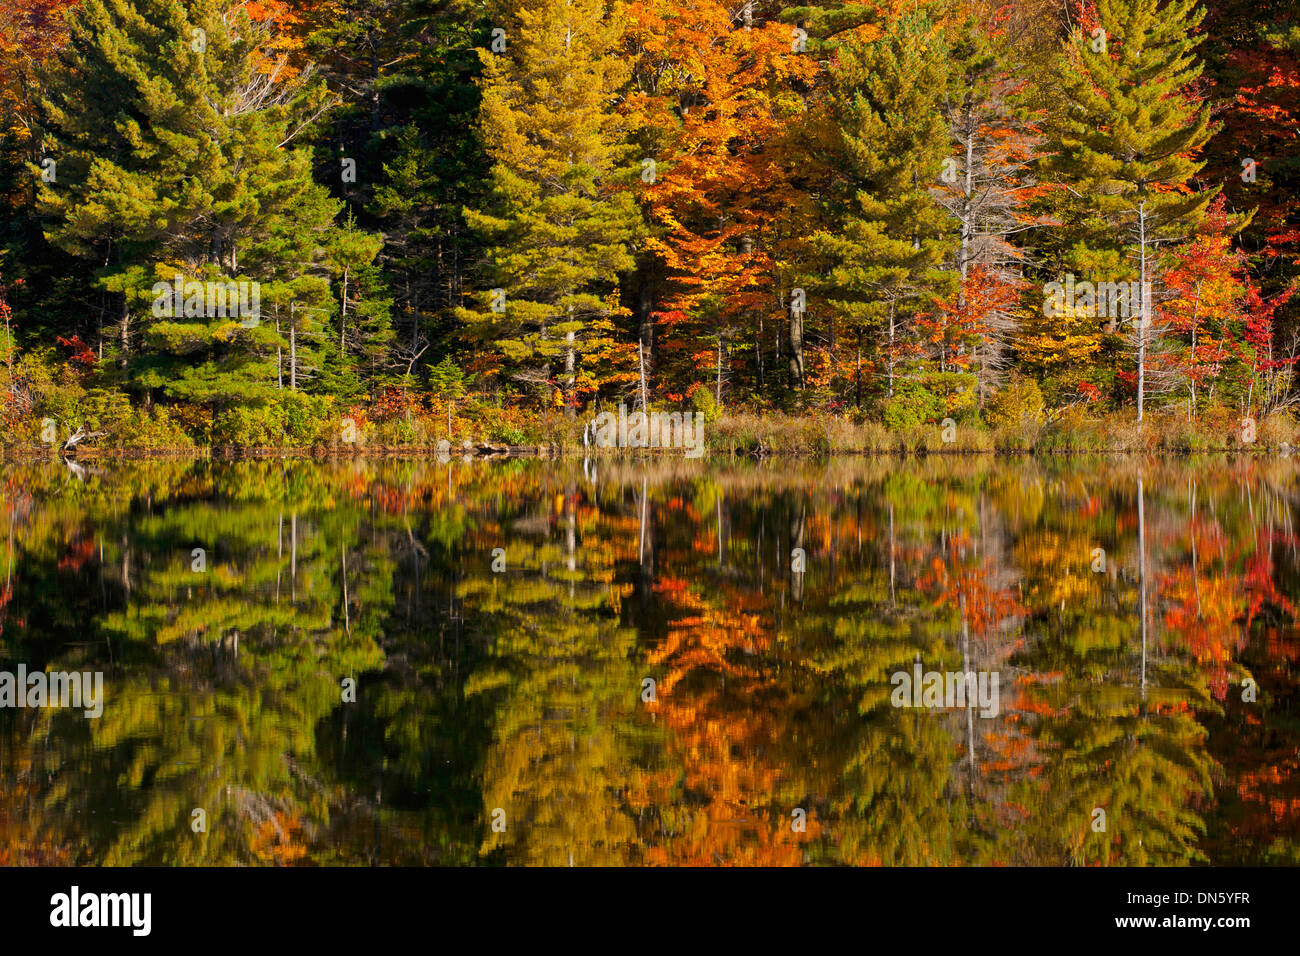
570,377
293,348
343,570
797,526
892,570
640,354
796,348
968,132
647,280
717,392
126,330
858,375
970,704
892,305
343,317
1142,297
776,329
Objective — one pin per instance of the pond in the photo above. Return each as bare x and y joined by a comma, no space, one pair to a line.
654,663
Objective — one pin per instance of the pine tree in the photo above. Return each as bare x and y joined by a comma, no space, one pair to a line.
1126,135
560,224
407,71
886,139
448,382
169,124
365,326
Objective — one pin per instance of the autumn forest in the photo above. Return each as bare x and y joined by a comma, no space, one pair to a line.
838,226
664,432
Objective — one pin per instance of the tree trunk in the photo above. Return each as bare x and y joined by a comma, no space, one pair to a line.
890,363
570,378
343,317
126,330
1142,298
640,354
1191,377
717,394
796,349
645,324
966,205
858,376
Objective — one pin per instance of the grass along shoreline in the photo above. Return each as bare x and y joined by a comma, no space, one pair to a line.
775,435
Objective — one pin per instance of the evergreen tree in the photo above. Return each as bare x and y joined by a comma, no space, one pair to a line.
885,141
365,325
561,225
405,72
169,127
1126,134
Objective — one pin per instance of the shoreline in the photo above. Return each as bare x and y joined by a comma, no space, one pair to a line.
556,453
741,435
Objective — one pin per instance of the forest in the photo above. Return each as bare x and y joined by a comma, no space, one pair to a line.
1030,225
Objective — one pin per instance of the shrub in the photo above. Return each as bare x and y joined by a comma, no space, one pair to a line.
48,390
290,418
911,405
510,434
111,412
1276,428
704,402
306,418
1016,404
956,391
248,426
1180,435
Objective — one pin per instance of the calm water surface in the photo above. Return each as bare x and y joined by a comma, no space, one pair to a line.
1140,619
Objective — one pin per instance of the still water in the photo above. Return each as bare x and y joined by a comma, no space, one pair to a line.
312,663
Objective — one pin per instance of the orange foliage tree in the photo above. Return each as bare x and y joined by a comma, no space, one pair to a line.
716,100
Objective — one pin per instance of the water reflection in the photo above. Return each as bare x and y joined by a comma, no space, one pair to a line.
668,663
